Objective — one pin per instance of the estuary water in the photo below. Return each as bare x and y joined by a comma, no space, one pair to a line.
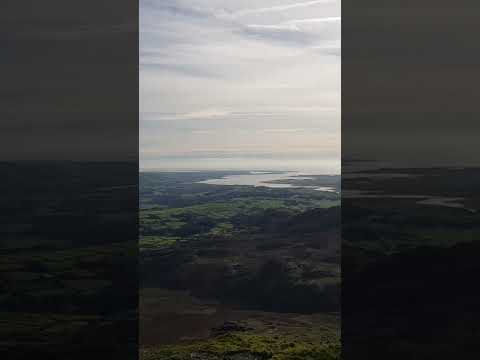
263,178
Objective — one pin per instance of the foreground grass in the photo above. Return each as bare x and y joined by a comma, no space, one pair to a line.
240,346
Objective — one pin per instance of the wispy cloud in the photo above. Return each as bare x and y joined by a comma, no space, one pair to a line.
194,115
284,130
314,20
229,78
244,12
284,26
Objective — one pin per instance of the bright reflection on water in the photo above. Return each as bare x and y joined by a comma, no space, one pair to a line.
259,178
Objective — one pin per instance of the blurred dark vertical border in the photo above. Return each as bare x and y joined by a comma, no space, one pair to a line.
410,180
69,170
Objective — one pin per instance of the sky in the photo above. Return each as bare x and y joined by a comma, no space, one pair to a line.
230,84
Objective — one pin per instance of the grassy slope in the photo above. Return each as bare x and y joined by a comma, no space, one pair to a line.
251,346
